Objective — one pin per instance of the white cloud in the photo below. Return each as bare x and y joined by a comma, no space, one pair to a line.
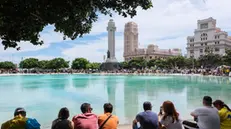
48,36
169,20
94,50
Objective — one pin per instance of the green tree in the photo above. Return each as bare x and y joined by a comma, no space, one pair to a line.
29,63
7,65
23,21
161,63
124,65
80,63
176,61
93,65
151,63
210,60
43,64
57,63
191,63
137,63
227,57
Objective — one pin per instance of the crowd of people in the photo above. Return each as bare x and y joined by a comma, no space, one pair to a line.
206,117
220,71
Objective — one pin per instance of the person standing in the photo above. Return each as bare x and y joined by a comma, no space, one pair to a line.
170,118
146,119
207,116
107,120
224,113
86,120
62,121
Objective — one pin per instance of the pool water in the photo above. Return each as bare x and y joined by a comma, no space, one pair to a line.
43,95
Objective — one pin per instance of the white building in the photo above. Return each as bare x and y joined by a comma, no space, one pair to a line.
207,37
131,49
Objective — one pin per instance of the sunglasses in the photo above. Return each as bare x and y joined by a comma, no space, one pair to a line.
91,109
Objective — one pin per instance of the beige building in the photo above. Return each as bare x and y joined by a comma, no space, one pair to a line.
207,36
131,49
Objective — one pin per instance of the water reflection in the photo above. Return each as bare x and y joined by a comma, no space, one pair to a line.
44,95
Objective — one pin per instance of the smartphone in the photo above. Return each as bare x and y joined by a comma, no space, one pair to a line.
161,111
138,125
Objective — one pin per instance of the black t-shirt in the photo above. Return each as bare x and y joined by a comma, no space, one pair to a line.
61,124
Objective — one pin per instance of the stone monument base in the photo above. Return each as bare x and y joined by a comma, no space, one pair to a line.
110,66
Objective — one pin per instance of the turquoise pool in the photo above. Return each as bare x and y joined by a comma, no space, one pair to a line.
43,95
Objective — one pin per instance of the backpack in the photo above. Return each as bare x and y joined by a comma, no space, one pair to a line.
32,124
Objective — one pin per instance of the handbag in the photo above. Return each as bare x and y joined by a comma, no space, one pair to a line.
105,122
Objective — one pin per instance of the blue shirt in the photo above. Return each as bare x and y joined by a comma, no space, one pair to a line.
148,120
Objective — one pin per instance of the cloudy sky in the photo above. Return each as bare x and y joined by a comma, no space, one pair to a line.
167,25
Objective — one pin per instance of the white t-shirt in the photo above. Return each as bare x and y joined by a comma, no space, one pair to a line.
208,118
169,124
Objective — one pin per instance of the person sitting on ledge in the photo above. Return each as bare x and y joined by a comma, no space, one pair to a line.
62,121
107,120
146,119
207,116
20,121
224,113
86,120
169,118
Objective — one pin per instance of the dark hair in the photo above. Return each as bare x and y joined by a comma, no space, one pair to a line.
85,107
108,107
20,111
64,113
207,100
221,104
169,110
147,106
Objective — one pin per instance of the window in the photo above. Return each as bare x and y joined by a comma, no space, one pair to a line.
204,36
150,57
191,45
201,44
191,51
217,37
201,50
217,49
217,42
191,40
205,44
191,56
204,26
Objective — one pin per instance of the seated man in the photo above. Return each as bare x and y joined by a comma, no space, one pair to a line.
20,121
107,120
146,119
87,120
207,116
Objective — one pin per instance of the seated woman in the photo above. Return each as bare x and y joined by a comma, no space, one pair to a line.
224,113
62,121
169,118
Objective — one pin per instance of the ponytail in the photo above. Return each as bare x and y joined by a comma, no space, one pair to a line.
227,107
221,103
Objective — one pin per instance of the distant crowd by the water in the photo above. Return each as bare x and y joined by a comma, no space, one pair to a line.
217,116
220,71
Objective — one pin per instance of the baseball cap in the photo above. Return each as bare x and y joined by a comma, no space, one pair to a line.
19,110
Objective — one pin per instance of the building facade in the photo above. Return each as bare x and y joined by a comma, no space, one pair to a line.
207,37
131,49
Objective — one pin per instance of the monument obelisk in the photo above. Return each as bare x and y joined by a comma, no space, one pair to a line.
111,42
111,61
